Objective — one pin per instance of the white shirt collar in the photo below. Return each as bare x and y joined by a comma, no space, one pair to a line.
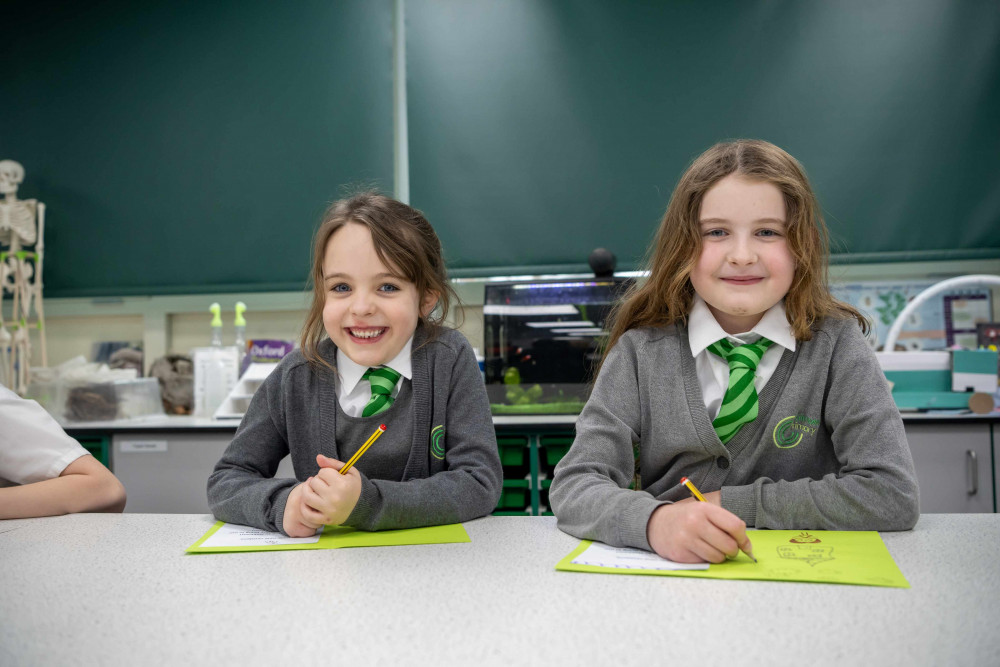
351,372
703,329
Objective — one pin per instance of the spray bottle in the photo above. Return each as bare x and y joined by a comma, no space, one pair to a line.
215,369
241,331
216,311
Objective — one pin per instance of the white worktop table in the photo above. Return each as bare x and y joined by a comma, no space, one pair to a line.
119,590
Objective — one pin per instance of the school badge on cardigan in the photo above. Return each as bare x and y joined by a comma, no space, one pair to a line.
789,431
437,442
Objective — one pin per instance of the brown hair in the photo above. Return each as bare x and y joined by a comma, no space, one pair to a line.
403,240
667,295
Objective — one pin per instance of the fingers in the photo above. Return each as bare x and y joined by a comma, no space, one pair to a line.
734,528
314,506
327,462
715,545
695,533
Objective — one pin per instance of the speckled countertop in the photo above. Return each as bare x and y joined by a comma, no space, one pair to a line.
119,590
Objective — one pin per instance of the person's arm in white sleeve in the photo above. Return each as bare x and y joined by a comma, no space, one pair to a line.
55,474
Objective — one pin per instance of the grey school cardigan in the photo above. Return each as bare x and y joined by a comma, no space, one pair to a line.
827,450
453,473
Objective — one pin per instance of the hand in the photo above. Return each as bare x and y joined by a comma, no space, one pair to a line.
696,532
329,497
292,521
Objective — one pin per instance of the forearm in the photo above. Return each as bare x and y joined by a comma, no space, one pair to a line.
591,508
860,500
244,498
85,486
451,496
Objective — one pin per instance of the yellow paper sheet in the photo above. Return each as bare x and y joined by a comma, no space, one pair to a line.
818,556
332,537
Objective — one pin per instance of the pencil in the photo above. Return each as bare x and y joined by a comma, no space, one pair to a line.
368,443
693,489
697,494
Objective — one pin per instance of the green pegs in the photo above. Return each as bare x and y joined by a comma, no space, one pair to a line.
240,309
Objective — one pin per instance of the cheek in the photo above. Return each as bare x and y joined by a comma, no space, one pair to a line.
330,311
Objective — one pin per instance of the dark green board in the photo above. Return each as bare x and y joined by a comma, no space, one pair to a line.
192,146
540,130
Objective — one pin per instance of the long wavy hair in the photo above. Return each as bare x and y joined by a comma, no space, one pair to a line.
667,295
403,240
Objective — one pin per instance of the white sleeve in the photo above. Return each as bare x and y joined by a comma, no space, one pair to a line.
33,447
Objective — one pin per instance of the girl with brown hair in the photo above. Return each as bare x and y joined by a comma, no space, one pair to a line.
733,366
374,356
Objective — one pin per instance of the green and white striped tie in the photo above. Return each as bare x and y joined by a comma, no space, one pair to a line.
382,379
739,405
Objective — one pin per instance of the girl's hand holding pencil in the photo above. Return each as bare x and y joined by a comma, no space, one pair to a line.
695,531
328,497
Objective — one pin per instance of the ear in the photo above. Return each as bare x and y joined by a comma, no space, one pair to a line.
428,303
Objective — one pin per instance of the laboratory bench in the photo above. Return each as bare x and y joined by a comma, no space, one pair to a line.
164,462
119,589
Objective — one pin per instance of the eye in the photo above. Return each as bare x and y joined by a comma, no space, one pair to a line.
388,287
769,233
340,287
714,233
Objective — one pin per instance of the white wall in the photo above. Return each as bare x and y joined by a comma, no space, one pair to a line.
177,323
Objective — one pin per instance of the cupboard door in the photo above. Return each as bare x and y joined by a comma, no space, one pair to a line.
954,465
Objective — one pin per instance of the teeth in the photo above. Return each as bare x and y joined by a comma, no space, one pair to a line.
366,333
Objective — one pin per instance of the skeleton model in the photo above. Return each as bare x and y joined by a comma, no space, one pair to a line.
20,275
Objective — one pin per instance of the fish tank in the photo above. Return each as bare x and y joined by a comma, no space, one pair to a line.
543,342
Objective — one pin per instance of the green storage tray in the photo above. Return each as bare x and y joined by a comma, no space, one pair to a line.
553,447
516,495
513,451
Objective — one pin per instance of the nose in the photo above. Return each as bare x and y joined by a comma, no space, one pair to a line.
362,304
741,251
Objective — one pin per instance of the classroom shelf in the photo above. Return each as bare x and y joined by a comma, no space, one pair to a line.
529,459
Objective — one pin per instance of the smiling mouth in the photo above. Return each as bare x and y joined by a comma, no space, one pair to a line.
366,334
743,280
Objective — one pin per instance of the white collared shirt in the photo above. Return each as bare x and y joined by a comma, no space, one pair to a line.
712,370
353,393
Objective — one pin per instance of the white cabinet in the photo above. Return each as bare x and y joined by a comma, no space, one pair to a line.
167,473
954,465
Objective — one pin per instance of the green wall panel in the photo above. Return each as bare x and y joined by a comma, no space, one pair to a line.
540,130
192,146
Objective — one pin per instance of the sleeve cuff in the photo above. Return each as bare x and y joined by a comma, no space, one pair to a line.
632,529
278,509
362,514
741,501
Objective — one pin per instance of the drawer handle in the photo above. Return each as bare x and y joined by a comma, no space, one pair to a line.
972,468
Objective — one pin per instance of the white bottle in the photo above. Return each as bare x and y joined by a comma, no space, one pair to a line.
216,387
241,332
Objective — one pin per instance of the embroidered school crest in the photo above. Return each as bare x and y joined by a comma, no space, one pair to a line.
789,431
437,442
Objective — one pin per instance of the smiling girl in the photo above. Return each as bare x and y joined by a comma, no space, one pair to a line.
373,352
733,366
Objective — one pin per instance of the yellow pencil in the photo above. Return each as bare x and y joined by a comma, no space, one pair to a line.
748,549
693,489
368,443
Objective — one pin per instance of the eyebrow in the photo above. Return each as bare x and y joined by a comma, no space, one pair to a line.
715,221
381,276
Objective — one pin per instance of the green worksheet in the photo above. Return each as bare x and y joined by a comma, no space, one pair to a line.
227,537
818,556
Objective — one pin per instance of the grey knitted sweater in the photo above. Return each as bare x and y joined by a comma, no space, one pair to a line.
827,450
452,473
